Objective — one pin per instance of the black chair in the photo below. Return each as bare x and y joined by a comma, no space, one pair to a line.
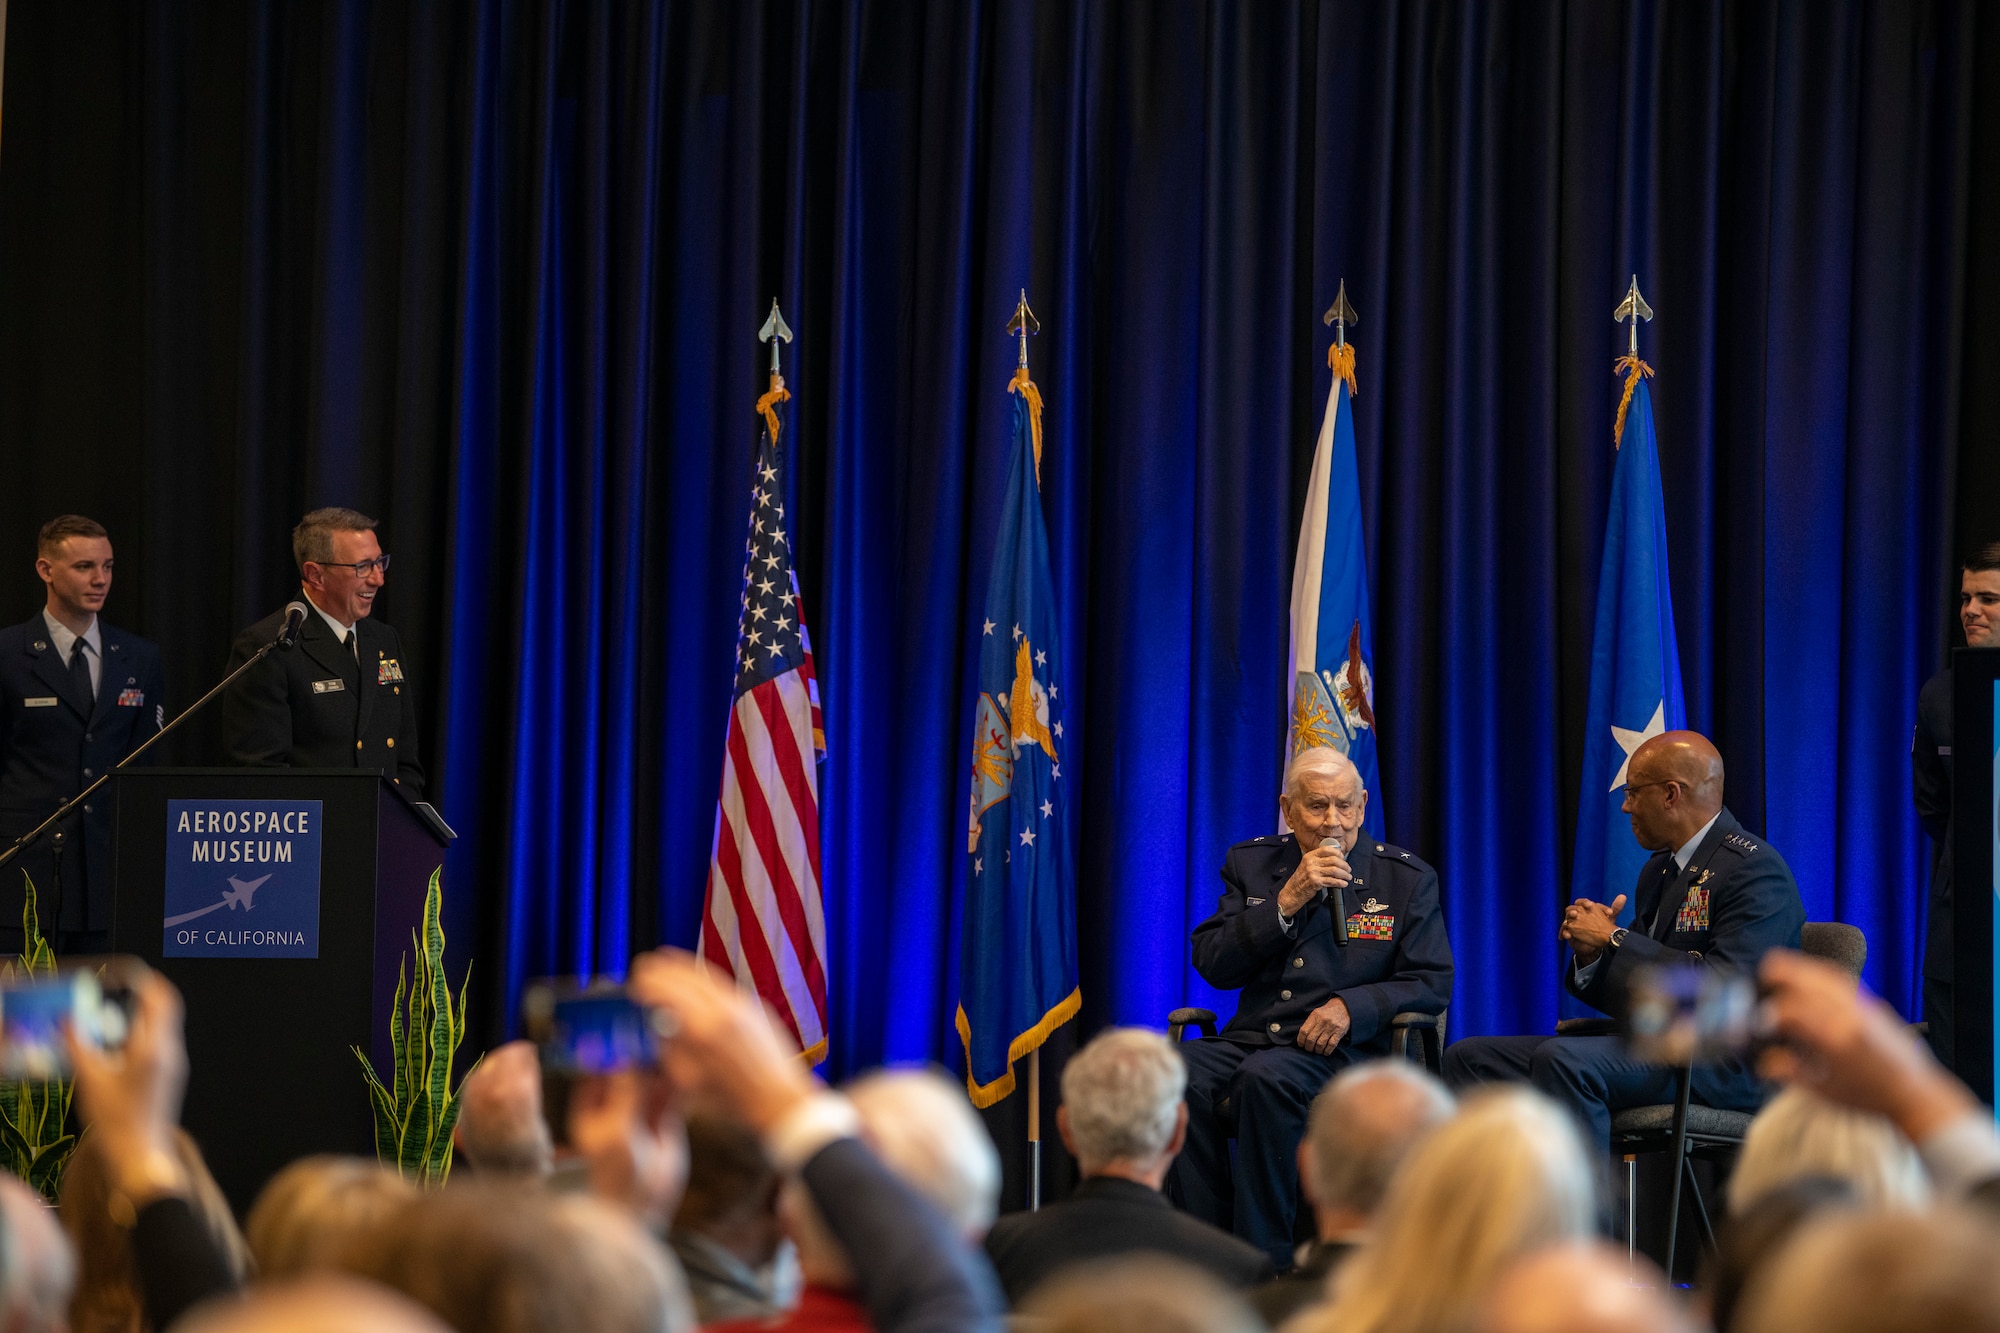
1428,1029
1690,1130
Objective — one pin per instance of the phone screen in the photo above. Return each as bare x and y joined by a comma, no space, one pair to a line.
595,1032
34,1011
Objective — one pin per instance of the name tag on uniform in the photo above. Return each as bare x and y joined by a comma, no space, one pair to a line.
46,701
388,671
1371,926
131,698
329,686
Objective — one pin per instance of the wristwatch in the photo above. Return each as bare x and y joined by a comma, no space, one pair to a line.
1618,936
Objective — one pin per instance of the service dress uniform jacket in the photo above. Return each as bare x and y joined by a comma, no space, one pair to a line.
315,706
1735,900
1393,954
53,745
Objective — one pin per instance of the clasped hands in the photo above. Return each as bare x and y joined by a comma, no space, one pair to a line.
1587,926
1322,868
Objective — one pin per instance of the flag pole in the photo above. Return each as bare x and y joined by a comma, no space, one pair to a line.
1022,325
1633,308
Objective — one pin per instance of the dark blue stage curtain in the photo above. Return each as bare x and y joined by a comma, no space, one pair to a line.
494,271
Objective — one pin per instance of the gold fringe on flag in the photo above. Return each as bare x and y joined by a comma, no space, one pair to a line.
1631,367
1026,388
768,404
1340,356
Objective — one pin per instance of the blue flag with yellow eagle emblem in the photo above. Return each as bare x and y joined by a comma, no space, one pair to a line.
1333,641
1017,972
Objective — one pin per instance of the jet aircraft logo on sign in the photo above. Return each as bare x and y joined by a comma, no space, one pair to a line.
242,879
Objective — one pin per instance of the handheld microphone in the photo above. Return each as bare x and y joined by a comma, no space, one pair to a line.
295,620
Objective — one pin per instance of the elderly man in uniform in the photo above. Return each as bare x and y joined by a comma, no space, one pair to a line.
1713,893
1329,935
1930,782
76,696
338,700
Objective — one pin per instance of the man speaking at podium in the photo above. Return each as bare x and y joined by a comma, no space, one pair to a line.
1330,935
337,699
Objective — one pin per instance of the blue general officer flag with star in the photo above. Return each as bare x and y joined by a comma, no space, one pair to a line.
1635,663
1017,972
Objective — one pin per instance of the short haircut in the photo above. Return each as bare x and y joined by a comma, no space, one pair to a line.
1142,1293
309,1215
501,1129
923,1128
729,1174
312,539
1864,1272
1121,1096
1800,1134
1983,558
1318,759
1364,1124
64,526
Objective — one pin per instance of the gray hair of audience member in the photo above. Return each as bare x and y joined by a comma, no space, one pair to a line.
924,1129
1140,1294
508,1257
1580,1287
310,1213
312,539
1362,1126
37,1266
1503,1177
1799,1134
501,1128
1317,759
1881,1272
320,1304
1121,1097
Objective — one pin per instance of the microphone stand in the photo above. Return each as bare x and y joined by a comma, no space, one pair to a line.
286,637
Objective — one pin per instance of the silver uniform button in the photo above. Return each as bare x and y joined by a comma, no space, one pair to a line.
1274,1027
1298,962
1284,995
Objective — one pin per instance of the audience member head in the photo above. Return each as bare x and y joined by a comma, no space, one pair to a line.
1361,1127
1122,1111
1673,786
503,1257
1504,1176
1881,1272
107,1291
731,1197
1323,796
1139,1294
320,1304
311,1213
38,1271
1800,1134
1979,597
1752,1234
922,1127
1580,1287
501,1130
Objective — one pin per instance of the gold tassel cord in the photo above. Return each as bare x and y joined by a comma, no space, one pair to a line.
1632,368
1340,357
768,405
1026,388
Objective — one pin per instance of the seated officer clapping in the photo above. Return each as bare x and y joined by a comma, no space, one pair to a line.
1329,935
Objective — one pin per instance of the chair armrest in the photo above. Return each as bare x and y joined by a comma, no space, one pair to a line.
1430,1038
1587,1027
1180,1020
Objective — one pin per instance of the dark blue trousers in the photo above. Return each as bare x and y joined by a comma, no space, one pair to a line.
1272,1089
1592,1076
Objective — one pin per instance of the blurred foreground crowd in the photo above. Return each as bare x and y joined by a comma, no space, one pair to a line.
731,1190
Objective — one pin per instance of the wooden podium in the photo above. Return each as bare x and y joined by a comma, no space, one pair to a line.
211,886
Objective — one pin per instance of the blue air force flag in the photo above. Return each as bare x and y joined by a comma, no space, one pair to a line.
1635,664
1333,640
1017,971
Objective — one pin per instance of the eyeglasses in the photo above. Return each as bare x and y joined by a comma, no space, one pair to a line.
1632,787
361,568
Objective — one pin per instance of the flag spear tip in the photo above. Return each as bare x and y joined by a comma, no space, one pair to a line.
1024,324
1340,315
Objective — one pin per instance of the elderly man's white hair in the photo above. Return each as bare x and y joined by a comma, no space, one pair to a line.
1318,759
1122,1097
37,1266
1362,1126
923,1128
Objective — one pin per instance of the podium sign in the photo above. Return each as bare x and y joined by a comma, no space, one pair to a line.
242,879
281,902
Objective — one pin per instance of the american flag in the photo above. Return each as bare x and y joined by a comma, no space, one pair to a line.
764,924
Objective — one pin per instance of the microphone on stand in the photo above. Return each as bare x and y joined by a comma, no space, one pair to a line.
295,620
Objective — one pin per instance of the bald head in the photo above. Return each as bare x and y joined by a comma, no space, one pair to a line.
501,1130
1673,786
318,1305
1584,1287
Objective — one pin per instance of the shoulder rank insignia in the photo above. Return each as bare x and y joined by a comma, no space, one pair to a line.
1739,842
1371,925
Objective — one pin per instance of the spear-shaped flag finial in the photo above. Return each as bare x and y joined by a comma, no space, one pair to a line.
774,329
1024,324
1633,308
1340,315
